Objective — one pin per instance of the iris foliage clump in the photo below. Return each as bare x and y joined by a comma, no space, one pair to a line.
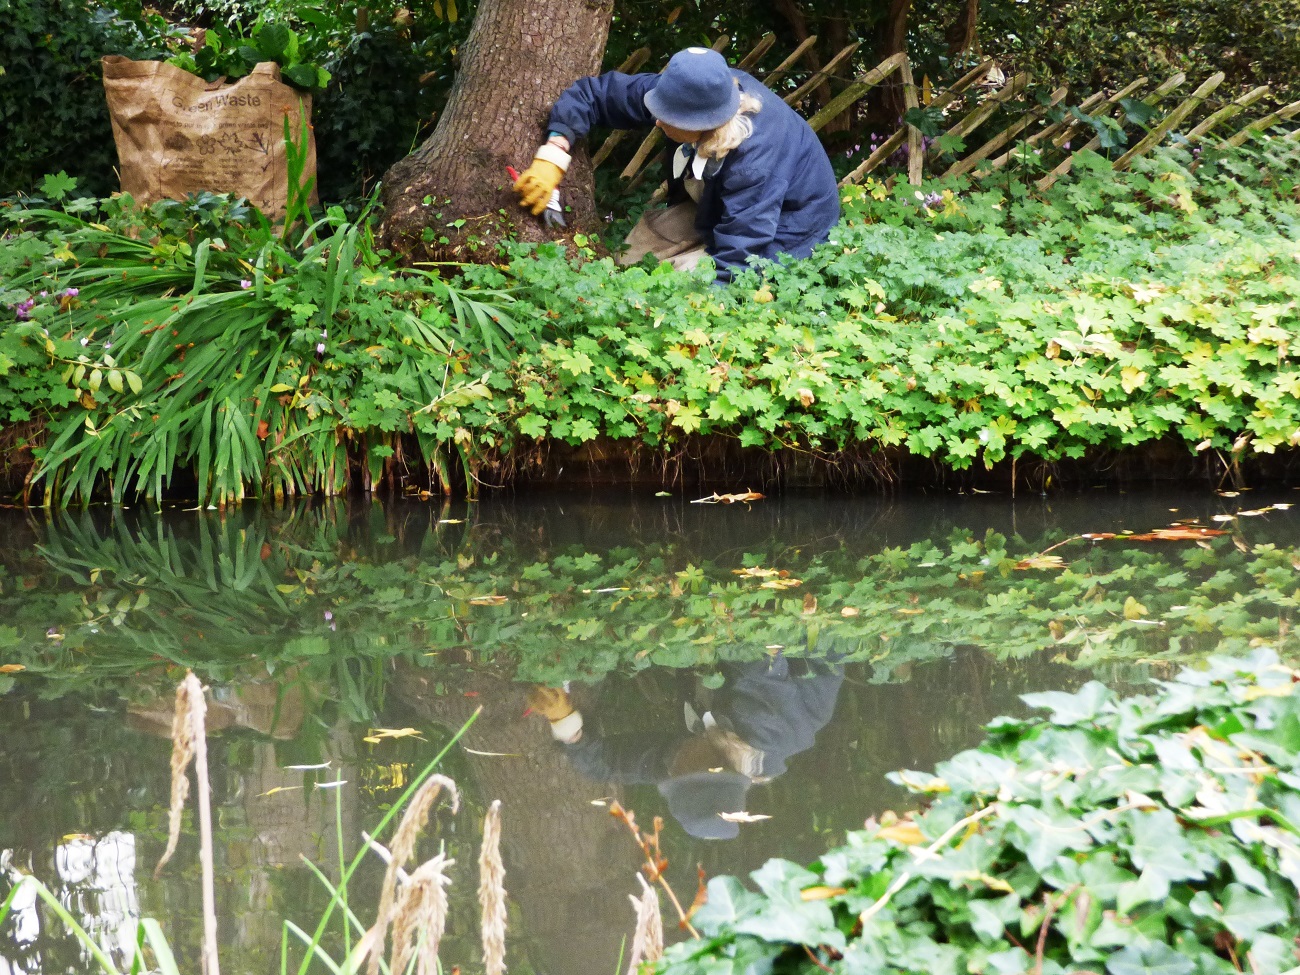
1152,834
965,322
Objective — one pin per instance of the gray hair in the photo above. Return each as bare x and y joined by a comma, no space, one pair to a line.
716,143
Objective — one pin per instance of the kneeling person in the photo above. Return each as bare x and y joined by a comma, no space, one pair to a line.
758,182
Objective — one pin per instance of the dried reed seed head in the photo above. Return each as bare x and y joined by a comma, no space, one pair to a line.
417,815
492,892
183,737
648,940
420,919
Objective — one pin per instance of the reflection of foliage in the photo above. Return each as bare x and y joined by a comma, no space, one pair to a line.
309,590
1153,834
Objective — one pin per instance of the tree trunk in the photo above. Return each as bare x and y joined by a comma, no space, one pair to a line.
519,57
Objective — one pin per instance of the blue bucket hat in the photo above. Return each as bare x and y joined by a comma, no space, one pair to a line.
696,800
696,92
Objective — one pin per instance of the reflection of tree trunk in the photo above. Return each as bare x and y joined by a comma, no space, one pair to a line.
568,863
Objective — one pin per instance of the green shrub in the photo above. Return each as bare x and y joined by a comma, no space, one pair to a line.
52,106
378,107
1150,834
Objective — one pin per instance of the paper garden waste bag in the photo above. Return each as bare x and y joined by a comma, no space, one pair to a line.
177,134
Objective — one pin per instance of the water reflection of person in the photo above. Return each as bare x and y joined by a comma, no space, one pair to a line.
766,712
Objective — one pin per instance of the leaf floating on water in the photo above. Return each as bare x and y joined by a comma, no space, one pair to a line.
306,768
489,600
821,893
451,521
715,498
78,837
1098,536
782,583
758,572
743,817
1223,517
905,611
475,751
278,788
1181,533
332,785
1041,562
11,668
378,734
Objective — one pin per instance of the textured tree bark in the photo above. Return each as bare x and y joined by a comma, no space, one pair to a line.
519,57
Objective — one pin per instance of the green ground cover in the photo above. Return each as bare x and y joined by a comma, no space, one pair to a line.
963,322
1151,834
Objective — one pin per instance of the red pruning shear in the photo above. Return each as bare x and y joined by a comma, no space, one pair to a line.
553,215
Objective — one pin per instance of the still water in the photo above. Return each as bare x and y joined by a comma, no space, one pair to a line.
776,659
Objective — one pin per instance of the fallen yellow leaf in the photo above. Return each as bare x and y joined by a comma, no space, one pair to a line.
821,893
905,834
378,734
11,668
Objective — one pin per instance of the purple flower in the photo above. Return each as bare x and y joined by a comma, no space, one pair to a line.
1066,145
45,294
334,626
245,283
22,310
320,348
72,292
85,342
107,346
328,616
932,200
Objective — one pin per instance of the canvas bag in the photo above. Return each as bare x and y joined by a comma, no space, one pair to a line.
177,134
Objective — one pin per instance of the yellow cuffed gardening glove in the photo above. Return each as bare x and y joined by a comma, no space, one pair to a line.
536,184
554,705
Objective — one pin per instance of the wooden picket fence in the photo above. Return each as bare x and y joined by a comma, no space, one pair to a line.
974,99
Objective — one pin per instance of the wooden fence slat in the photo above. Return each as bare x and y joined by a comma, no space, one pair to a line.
1087,105
915,144
850,95
634,61
1152,99
941,101
820,76
783,68
651,142
977,116
764,43
1233,107
888,147
1006,135
1166,125
1074,124
1271,119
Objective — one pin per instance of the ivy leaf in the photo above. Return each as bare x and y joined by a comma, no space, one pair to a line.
1154,958
728,902
1069,709
1246,914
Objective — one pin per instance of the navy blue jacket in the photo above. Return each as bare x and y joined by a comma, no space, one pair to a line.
770,708
774,194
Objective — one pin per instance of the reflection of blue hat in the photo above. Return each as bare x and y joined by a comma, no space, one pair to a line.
695,801
697,91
